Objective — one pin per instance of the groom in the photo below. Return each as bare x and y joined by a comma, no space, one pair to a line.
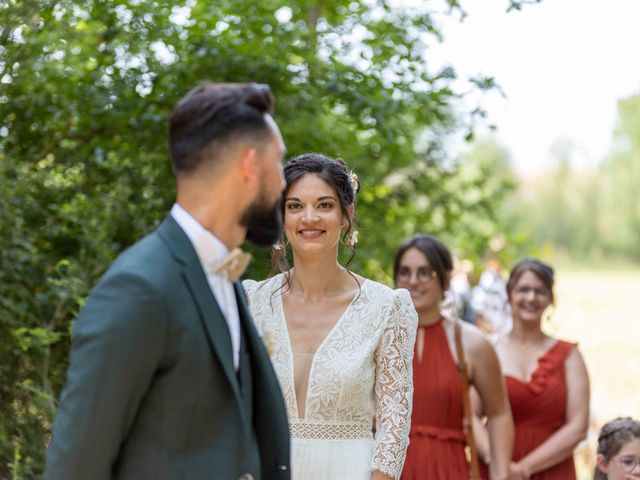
168,379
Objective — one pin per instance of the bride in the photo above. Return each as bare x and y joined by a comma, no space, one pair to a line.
341,344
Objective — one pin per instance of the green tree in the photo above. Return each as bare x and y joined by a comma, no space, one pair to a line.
588,215
620,175
485,183
557,210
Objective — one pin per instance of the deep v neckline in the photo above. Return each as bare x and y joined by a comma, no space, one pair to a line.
538,366
315,354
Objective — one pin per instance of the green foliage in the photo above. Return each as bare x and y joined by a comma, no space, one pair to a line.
591,215
550,206
619,219
517,4
85,90
484,184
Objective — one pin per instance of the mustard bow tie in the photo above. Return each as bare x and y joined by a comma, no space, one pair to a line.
234,264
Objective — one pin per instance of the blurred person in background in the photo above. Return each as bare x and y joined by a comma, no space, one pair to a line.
618,450
460,289
489,300
546,380
423,265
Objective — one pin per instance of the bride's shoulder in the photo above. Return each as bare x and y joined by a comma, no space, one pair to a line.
263,287
375,288
391,307
380,293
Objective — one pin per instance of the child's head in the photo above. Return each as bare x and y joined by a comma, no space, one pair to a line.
619,450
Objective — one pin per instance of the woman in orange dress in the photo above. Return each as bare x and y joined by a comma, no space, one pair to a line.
436,451
546,379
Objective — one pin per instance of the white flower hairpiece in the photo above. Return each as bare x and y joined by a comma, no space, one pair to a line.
353,178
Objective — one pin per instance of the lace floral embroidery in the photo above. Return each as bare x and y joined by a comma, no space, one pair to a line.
329,431
361,372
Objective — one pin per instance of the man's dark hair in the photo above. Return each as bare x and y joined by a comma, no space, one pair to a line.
213,114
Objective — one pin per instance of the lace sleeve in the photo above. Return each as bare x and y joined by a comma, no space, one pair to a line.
394,385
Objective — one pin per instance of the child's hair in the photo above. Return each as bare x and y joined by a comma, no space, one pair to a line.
613,436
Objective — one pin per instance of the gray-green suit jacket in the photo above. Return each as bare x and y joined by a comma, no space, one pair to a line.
151,390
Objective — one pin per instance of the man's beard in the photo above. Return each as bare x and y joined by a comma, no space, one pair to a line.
263,222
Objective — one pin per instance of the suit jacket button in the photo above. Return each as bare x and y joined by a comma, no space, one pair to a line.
246,476
283,468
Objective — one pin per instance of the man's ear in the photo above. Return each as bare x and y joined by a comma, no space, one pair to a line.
247,164
602,464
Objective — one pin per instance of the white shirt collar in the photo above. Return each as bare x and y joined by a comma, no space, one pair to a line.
209,248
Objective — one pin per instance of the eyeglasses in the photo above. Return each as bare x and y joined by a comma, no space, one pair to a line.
628,462
539,292
424,274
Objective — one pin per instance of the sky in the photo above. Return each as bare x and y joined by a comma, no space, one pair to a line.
563,65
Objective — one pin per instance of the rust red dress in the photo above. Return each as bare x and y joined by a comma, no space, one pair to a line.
539,409
437,441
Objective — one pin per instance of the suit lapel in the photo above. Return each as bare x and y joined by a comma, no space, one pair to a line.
252,339
269,413
243,308
245,373
210,314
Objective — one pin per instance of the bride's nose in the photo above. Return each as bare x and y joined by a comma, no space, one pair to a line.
310,215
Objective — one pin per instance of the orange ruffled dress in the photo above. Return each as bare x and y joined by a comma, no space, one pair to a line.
437,441
539,409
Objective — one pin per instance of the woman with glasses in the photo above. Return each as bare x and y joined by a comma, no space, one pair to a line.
423,265
546,379
619,450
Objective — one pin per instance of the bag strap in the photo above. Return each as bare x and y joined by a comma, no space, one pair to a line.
466,402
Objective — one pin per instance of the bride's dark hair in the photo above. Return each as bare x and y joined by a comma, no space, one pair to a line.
335,173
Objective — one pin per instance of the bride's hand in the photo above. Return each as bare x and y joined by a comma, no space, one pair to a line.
378,475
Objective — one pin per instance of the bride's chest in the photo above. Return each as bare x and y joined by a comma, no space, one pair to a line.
342,353
308,328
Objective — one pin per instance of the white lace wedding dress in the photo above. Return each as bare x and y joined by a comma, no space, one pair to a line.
358,406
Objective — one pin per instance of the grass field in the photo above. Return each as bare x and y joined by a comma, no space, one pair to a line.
601,311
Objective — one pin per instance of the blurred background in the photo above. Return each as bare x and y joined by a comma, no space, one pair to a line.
507,128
